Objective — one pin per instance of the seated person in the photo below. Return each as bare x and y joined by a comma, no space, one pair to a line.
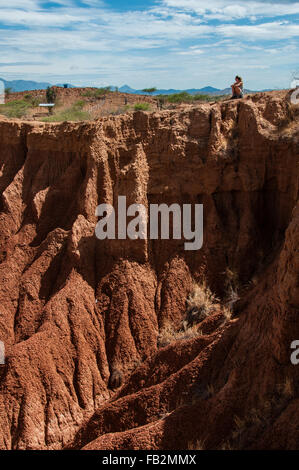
237,88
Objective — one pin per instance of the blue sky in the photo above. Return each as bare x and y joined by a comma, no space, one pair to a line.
163,43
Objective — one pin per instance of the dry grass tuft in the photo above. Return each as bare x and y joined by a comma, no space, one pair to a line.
201,303
168,335
197,445
286,389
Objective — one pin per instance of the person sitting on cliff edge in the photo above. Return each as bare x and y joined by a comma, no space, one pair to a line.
237,88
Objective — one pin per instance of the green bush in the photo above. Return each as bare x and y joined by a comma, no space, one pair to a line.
96,93
33,100
141,106
74,113
202,97
15,108
79,104
185,97
177,98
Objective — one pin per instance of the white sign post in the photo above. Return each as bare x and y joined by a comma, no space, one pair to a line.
46,105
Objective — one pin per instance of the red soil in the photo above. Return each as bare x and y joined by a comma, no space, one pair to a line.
81,316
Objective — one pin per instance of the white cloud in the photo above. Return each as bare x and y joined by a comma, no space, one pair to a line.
23,4
227,10
191,51
266,31
36,18
174,42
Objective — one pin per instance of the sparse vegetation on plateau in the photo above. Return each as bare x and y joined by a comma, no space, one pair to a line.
15,108
142,107
73,113
185,97
19,108
98,93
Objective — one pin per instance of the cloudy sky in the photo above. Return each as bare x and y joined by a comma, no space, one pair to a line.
163,43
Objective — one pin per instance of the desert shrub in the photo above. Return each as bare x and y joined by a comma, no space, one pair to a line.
141,106
33,100
178,98
8,91
15,108
201,303
99,92
88,94
185,97
169,334
79,104
199,97
73,113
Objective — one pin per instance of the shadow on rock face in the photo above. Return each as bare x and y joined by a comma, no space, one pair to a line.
116,379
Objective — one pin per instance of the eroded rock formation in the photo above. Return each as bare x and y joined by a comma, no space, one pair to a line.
80,317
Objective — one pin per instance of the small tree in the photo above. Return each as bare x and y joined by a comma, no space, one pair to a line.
150,91
51,95
8,91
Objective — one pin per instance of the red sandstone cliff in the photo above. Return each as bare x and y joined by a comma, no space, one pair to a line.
77,313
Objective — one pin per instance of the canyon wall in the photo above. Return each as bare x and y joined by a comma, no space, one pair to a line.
80,317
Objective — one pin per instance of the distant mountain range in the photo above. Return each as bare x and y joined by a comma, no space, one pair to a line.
208,90
27,85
